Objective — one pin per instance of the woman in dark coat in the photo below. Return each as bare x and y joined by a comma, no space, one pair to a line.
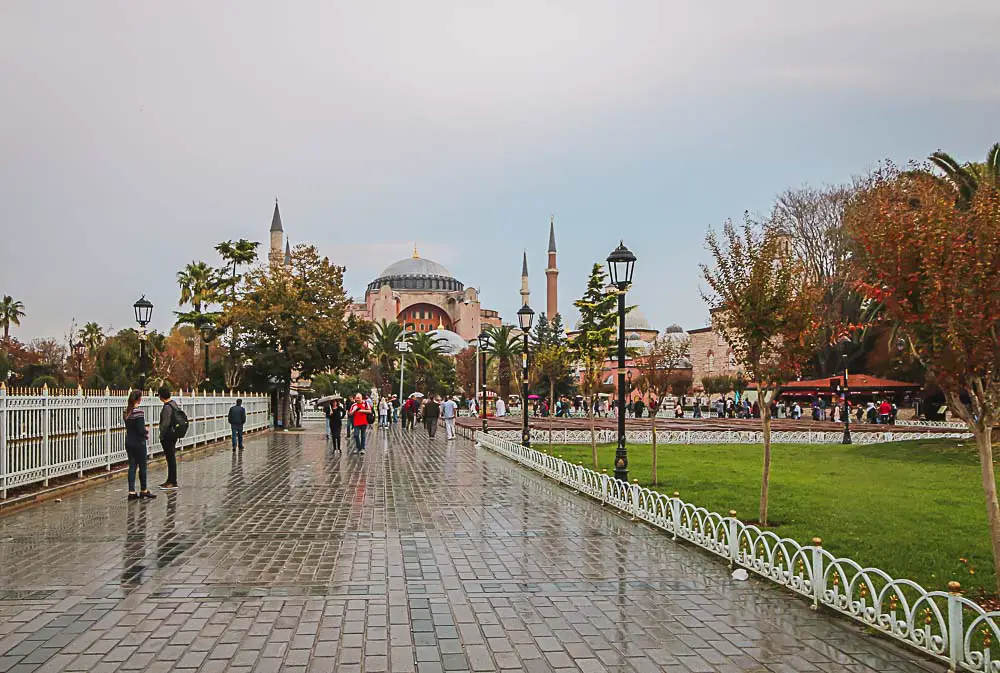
136,436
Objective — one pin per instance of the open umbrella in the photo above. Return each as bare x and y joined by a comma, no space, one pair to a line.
417,395
328,398
533,397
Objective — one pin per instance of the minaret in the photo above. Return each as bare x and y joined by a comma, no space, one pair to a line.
275,256
552,276
525,293
288,253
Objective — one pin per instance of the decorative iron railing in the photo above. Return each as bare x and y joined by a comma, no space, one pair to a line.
633,436
45,435
942,624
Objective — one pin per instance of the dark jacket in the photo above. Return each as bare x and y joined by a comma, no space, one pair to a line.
135,430
237,416
166,419
432,410
336,416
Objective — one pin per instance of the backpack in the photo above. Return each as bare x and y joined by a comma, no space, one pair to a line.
179,422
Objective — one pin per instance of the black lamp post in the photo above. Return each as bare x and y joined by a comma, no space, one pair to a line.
79,352
484,344
207,334
143,314
847,409
524,317
621,264
628,388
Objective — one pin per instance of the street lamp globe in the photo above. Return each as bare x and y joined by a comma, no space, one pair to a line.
207,332
525,316
621,264
143,311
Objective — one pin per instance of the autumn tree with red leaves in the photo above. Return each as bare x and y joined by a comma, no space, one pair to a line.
934,264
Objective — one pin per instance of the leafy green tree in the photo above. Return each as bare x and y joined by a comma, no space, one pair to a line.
384,349
592,346
505,352
660,369
11,312
425,351
293,319
763,306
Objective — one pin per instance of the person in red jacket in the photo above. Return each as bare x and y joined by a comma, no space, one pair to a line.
884,411
360,412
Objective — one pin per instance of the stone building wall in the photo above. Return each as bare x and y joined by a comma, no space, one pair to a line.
710,355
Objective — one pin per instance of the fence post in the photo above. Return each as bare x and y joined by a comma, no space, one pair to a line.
46,431
79,431
604,486
107,428
955,629
734,547
818,579
3,439
635,499
675,508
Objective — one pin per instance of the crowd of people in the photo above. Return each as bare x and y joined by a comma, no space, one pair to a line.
362,413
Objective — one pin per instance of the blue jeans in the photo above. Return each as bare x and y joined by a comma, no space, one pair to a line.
136,462
237,436
359,437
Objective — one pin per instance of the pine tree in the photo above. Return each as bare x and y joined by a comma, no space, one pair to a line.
592,346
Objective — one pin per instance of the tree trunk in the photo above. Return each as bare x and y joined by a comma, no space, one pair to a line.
552,408
593,433
984,442
653,421
765,480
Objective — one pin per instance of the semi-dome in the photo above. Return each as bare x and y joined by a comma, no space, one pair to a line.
635,320
416,273
451,342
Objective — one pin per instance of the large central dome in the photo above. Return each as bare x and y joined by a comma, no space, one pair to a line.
416,273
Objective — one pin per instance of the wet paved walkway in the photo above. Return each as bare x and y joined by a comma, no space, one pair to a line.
422,556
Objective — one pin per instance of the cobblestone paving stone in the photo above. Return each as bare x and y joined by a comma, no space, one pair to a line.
422,556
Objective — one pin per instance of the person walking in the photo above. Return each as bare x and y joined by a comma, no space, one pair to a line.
383,414
359,414
237,419
136,435
449,411
170,416
395,408
432,414
335,417
501,408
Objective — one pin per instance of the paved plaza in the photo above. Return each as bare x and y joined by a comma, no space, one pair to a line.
420,556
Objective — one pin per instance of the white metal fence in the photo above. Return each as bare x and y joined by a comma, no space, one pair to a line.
942,624
44,436
723,437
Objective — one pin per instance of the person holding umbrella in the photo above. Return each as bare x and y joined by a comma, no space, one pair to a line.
335,418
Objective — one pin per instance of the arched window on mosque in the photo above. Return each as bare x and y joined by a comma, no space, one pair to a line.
711,362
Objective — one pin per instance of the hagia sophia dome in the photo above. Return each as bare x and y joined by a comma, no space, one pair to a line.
416,273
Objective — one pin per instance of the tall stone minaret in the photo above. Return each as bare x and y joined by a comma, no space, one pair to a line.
552,275
288,253
275,256
525,293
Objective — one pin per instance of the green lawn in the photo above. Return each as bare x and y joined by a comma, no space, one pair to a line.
913,509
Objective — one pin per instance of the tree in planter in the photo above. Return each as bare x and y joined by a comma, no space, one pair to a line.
592,346
293,319
933,261
763,307
660,370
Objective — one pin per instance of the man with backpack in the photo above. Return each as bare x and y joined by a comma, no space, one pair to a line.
173,426
237,419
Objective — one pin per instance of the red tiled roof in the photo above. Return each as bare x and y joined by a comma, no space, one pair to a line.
856,381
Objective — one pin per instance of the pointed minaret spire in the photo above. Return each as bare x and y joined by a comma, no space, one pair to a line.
525,293
552,275
274,256
288,253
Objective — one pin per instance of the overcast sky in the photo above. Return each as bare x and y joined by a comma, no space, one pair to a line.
136,135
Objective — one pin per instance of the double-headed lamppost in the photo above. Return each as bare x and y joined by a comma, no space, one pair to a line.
621,264
207,334
484,346
524,317
79,352
143,314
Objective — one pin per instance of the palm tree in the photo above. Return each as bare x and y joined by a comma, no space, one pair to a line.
92,336
11,313
237,253
425,349
505,349
966,179
198,284
383,346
